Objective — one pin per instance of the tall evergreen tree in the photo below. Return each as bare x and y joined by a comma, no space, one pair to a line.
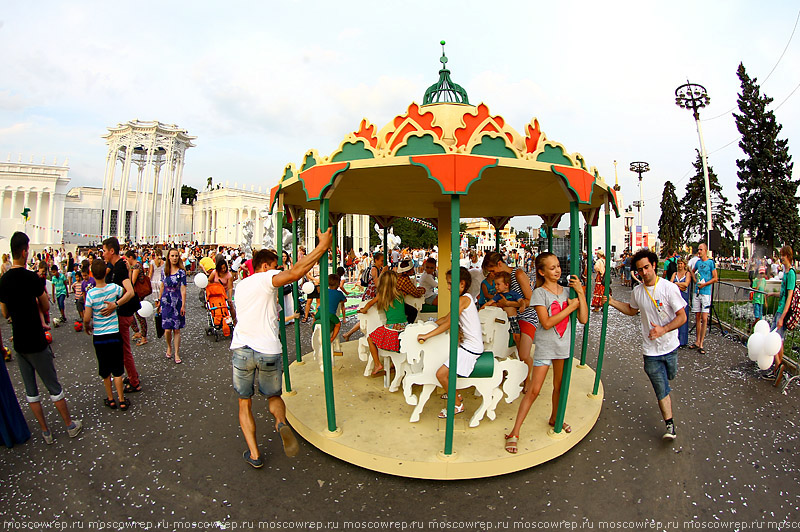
694,209
767,193
669,225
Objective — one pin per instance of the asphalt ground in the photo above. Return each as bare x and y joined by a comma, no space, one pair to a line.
174,460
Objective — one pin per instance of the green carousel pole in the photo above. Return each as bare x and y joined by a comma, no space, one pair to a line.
282,312
455,289
604,325
550,238
295,294
496,238
589,289
325,324
574,269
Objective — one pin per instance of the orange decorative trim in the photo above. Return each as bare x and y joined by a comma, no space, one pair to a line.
414,121
578,180
367,132
533,134
477,123
319,177
454,172
273,195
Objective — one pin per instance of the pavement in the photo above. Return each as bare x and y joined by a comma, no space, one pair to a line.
174,460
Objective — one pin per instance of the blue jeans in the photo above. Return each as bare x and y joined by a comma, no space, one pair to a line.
661,369
246,363
781,330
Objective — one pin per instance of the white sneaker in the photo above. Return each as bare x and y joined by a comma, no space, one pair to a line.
76,428
670,433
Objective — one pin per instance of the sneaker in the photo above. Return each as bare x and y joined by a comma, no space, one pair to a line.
670,433
256,463
48,437
75,428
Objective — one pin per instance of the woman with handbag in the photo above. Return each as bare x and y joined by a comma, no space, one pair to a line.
142,287
172,305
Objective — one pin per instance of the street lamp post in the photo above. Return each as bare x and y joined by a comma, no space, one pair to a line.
640,167
693,96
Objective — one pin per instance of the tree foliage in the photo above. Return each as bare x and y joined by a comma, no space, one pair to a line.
188,192
669,225
767,193
694,209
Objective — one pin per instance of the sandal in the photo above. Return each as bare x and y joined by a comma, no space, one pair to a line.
701,350
564,426
511,444
694,346
130,389
141,342
458,410
110,403
124,404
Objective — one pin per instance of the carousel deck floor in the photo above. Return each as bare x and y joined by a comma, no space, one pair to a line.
374,431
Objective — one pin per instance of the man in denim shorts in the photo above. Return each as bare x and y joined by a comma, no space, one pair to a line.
256,343
662,310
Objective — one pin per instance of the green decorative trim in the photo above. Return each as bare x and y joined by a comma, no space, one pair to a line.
287,174
569,186
420,145
351,151
555,155
309,158
493,147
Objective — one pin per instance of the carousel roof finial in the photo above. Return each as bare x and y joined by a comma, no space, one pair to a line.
445,91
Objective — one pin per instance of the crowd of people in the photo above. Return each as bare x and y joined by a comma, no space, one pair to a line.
109,285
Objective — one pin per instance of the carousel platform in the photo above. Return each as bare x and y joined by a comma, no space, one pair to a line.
374,431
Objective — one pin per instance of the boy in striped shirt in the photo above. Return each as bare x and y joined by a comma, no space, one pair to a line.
107,339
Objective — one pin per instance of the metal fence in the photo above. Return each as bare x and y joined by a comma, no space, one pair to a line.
732,310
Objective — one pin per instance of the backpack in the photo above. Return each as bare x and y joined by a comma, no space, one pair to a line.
793,315
142,287
365,276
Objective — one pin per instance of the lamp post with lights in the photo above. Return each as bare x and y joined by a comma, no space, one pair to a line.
694,97
640,167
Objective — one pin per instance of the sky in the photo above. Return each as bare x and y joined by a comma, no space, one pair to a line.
261,83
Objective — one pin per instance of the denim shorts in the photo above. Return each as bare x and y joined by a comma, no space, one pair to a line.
661,369
782,330
247,363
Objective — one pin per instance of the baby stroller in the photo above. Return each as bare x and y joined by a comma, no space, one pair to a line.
220,322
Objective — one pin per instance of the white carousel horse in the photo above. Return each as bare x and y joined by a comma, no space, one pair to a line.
432,355
316,345
369,322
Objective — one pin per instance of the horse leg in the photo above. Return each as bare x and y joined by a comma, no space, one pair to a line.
400,371
427,390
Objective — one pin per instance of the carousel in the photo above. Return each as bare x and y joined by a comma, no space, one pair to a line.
440,161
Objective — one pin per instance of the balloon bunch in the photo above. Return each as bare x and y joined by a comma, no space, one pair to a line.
763,345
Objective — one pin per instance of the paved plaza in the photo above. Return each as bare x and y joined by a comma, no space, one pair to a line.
174,460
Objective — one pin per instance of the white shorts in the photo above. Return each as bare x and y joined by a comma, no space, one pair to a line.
701,303
465,362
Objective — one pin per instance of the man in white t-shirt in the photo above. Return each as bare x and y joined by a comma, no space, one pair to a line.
256,343
663,312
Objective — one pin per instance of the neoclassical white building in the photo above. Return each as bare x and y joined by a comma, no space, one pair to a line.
156,152
39,187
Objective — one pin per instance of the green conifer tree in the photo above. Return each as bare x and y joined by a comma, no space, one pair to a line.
669,225
694,209
767,193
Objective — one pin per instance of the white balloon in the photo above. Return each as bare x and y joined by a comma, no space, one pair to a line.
765,362
201,280
772,345
755,344
147,309
308,287
761,327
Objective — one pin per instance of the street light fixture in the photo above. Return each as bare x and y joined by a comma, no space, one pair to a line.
694,97
640,167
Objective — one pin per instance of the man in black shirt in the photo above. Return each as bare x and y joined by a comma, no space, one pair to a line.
126,306
21,297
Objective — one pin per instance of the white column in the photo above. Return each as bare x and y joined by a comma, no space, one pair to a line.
154,201
13,203
123,191
108,187
37,217
176,205
146,205
51,219
166,188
